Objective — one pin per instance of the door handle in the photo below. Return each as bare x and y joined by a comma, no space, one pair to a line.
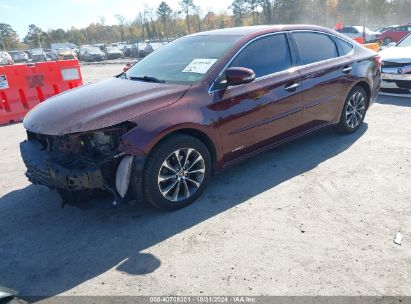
347,69
292,86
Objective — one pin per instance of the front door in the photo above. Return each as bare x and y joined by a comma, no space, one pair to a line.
254,115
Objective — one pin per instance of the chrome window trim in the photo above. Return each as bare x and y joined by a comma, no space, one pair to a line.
210,91
292,69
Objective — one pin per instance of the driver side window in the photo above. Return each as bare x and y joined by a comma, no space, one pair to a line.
265,56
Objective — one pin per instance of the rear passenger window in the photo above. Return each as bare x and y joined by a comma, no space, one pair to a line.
314,47
265,56
344,47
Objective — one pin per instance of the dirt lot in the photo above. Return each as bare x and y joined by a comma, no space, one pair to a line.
314,217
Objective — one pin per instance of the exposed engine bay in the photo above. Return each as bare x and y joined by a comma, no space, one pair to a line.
79,162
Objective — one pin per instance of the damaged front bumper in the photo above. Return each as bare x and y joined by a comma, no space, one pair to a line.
42,171
83,162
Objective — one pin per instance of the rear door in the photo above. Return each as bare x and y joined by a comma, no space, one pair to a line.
255,114
325,70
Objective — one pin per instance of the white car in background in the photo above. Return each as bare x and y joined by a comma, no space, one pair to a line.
5,58
357,31
396,63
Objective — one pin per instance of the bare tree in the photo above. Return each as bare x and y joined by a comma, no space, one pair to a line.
187,6
121,22
164,14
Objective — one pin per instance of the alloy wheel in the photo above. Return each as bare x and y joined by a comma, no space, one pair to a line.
355,110
181,174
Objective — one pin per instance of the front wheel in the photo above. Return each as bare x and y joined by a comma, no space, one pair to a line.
354,110
387,41
176,173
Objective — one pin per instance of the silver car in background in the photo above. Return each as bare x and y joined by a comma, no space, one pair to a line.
19,56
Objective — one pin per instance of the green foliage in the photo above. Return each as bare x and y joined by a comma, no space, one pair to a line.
8,36
35,37
163,22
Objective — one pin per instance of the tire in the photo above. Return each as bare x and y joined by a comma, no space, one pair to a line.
163,174
387,41
354,111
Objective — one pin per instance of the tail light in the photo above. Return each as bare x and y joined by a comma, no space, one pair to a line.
378,61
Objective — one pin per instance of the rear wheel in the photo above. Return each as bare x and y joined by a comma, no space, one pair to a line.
354,110
177,172
387,41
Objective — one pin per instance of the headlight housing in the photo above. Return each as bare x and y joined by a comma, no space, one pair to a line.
104,142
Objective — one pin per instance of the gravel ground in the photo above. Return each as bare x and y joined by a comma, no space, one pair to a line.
313,217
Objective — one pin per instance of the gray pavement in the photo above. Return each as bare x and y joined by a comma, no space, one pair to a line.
314,217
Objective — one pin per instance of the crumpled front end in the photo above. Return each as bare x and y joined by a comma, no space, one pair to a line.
76,162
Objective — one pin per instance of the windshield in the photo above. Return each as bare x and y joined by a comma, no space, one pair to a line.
406,42
185,60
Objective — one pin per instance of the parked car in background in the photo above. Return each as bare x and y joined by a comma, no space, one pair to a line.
5,58
396,63
126,49
386,28
48,53
19,56
82,50
64,45
134,50
101,46
37,55
93,54
195,106
149,47
395,34
358,31
113,52
63,54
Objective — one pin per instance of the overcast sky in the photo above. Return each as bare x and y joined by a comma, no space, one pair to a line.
55,14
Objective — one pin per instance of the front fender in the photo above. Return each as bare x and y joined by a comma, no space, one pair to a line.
155,126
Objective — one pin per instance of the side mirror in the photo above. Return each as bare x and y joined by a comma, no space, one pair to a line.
238,75
392,44
127,67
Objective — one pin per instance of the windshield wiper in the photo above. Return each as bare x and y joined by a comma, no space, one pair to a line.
147,79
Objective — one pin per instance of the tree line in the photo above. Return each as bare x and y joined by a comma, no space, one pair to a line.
165,23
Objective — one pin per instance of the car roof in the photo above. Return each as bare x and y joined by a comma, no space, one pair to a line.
260,29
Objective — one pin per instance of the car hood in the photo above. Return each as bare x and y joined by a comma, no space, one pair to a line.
396,54
100,105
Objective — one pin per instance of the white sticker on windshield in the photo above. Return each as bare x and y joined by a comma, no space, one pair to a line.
200,66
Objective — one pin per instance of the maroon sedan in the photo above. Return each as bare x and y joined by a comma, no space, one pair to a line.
201,103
